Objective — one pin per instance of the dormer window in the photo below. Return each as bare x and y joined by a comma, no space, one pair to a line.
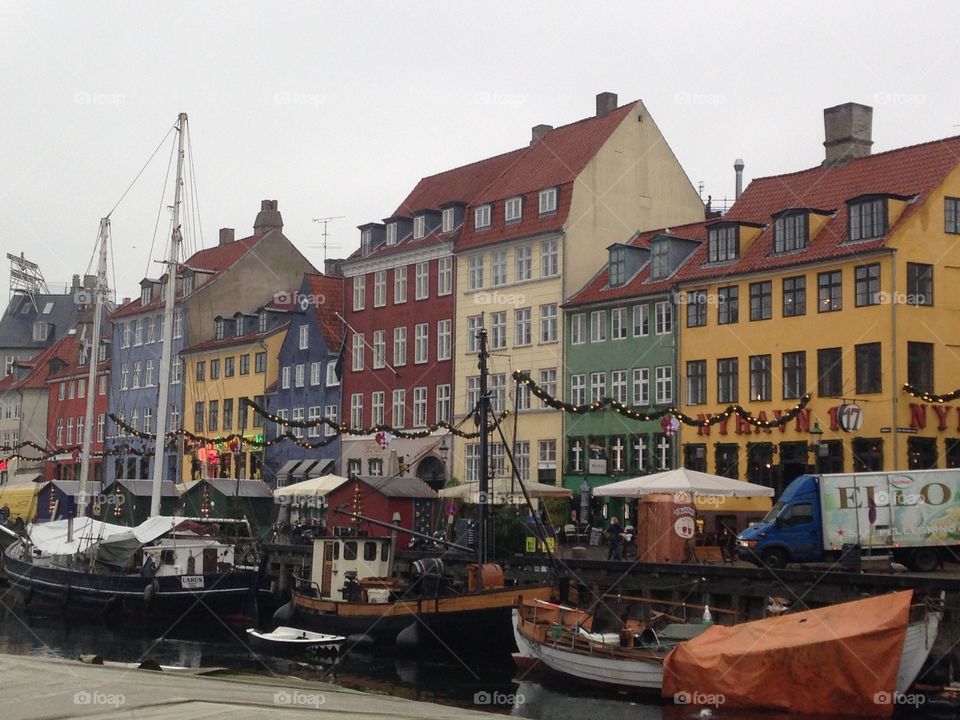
723,243
790,232
447,220
513,210
263,321
366,237
481,217
48,308
145,295
40,331
660,260
219,329
618,266
239,324
419,227
392,234
548,201
187,284
867,218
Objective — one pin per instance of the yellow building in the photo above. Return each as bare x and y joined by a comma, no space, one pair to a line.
833,281
531,239
238,363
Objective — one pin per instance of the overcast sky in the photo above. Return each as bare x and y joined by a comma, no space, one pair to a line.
339,108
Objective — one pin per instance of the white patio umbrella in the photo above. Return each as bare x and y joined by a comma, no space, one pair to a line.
314,487
682,480
501,492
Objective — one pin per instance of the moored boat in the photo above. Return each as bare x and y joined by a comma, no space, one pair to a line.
290,640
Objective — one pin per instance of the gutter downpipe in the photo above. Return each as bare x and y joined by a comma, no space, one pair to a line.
895,394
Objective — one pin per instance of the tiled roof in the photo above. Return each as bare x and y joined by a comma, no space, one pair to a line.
247,339
596,291
908,171
65,349
327,300
404,487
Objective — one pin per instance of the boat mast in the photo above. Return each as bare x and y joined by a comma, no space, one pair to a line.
173,257
483,414
93,360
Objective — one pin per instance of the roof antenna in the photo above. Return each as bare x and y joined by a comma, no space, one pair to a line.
326,220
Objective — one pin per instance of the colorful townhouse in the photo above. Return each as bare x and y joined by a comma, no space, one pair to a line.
400,293
620,342
832,281
308,387
532,239
212,282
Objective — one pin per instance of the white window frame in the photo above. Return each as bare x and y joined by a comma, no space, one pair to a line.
380,288
316,368
419,227
523,263
330,412
356,411
421,290
663,314
379,349
444,339
618,385
378,408
356,352
419,407
443,403
548,323
447,217
598,326
523,327
640,392
618,323
498,268
498,330
664,384
475,272
549,258
548,201
445,276
359,291
285,378
481,216
513,209
331,379
400,345
421,343
304,337
392,232
398,410
578,389
578,329
598,385
400,285
474,323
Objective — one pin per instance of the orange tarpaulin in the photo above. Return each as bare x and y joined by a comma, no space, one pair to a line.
835,660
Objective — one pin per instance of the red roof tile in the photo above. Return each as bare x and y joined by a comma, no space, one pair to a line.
64,349
247,339
327,292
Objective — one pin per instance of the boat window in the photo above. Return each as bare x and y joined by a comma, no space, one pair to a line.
336,551
168,557
369,550
384,552
350,550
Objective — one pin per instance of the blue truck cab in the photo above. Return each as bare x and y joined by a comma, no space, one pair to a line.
791,532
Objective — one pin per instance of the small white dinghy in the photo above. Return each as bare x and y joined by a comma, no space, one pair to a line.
290,640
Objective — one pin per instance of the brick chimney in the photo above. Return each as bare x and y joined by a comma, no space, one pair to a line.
538,132
738,169
848,131
606,102
268,218
333,267
227,236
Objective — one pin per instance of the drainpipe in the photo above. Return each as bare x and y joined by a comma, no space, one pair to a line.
895,395
675,310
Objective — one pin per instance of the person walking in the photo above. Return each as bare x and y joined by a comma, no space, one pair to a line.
613,532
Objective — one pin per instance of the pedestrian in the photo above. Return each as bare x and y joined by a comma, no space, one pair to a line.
613,533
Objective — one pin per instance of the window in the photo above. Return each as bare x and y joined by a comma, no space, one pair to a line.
641,387
475,272
445,276
481,217
392,233
285,377
214,369
228,417
148,380
40,331
696,308
578,329
663,313
399,408
245,364
578,389
659,260
794,296
547,454
760,377
213,413
867,285
723,243
794,374
178,324
298,375
728,305
356,353
473,393
262,321
598,386
474,323
498,268
513,209
356,410
498,392
260,362
829,285
242,411
868,368
447,218
199,411
137,375
419,226
761,300
522,400
421,343
548,201
238,330
399,285
124,376
549,258
138,332
618,323
176,371
59,432
257,418
444,339
400,346
304,336
377,399
919,284
359,291
101,424
473,462
133,423
228,364
498,330
331,374
71,390
548,381
330,412
380,288
664,375
102,383
617,267
829,372
521,457
727,380
421,289
149,322
82,383
598,326
419,407
379,349
867,219
618,386
696,382
790,233
523,332
443,403
523,262
548,323
147,414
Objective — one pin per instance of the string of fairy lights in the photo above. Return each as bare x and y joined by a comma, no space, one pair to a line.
929,396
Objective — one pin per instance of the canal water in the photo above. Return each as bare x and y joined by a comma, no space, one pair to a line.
500,689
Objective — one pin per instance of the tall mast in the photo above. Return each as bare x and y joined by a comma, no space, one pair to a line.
93,359
173,257
482,546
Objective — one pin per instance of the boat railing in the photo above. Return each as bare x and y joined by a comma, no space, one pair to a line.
651,604
306,586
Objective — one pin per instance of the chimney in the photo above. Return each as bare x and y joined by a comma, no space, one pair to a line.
606,102
848,130
226,236
76,282
738,168
539,131
89,282
333,267
268,218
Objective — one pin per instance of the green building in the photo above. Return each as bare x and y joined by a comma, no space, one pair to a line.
621,343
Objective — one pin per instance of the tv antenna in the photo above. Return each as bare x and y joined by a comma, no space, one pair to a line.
325,221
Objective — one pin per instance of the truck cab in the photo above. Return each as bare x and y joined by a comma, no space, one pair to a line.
791,531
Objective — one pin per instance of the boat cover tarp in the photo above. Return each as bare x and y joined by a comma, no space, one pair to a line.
51,538
834,660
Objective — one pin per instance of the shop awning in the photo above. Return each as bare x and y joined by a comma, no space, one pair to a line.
283,474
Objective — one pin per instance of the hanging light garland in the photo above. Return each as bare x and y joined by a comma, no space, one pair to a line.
626,411
124,449
929,396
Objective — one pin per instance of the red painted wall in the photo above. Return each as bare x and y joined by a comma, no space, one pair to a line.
74,408
372,504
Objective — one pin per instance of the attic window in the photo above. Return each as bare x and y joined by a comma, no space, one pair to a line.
790,232
145,295
548,201
867,218
660,260
419,227
40,331
481,217
447,220
365,237
239,323
263,321
187,284
723,243
220,327
48,308
392,234
513,210
618,264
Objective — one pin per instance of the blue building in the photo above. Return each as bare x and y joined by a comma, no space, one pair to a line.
308,387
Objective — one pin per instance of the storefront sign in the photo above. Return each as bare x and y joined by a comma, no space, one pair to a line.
941,413
850,417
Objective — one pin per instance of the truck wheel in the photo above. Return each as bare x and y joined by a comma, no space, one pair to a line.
774,558
924,560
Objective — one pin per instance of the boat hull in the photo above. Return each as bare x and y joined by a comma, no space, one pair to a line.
916,648
287,641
